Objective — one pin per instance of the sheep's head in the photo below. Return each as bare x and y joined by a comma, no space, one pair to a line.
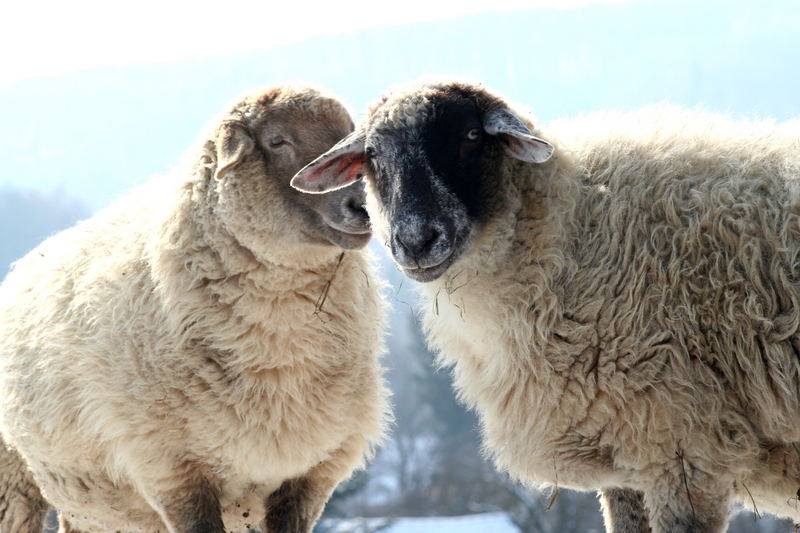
431,157
260,144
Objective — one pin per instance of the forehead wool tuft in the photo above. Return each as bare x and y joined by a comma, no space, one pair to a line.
290,99
406,108
409,111
411,106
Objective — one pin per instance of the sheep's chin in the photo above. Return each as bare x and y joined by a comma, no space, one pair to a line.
345,239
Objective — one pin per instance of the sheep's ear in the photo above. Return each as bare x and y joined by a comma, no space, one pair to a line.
340,166
516,137
234,143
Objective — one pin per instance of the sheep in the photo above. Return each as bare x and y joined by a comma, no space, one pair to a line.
202,356
619,302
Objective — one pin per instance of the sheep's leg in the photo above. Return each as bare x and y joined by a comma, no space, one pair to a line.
190,507
688,502
298,503
290,509
22,508
624,511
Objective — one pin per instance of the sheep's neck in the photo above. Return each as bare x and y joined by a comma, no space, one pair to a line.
509,286
196,260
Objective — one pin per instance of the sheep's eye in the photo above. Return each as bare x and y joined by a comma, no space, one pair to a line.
369,151
277,141
473,135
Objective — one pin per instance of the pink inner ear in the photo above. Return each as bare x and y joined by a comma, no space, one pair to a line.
350,168
513,144
530,149
338,171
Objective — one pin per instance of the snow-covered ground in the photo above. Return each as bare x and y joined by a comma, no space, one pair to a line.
477,523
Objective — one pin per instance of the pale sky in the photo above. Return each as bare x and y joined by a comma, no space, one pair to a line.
51,37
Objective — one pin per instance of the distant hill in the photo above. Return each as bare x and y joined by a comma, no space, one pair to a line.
95,133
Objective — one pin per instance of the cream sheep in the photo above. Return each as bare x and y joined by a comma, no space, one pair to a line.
623,315
202,352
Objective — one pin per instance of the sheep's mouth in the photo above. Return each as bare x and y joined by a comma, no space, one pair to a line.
346,236
429,273
424,270
350,229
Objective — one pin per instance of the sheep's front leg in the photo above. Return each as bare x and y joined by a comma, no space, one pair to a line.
191,506
291,508
298,503
624,511
688,501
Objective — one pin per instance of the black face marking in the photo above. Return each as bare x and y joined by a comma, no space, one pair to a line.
433,175
455,156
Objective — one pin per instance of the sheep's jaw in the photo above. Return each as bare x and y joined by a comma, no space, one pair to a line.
347,238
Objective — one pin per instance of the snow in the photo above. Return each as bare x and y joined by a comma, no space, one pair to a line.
477,523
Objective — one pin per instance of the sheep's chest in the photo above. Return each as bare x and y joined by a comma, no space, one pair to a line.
527,420
281,430
303,386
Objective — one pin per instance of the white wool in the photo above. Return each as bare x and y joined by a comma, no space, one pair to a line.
631,316
181,335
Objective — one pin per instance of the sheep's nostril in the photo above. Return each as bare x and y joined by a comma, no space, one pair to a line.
420,243
417,243
356,208
362,213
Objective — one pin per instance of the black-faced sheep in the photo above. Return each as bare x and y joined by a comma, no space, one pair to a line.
203,354
624,315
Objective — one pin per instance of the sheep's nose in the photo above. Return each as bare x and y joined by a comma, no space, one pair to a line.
421,245
417,241
353,208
